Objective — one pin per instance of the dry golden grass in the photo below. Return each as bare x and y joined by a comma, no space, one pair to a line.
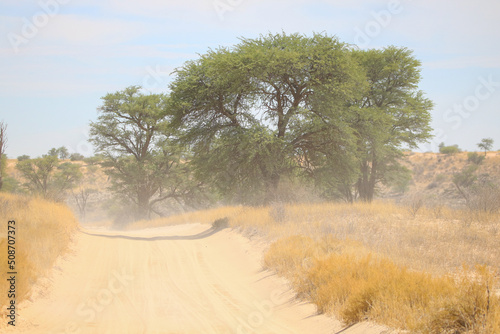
344,279
43,231
396,265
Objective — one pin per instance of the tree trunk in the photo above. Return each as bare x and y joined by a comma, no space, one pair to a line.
367,181
362,183
142,211
272,185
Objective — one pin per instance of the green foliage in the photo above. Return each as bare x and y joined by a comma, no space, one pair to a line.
48,178
242,171
61,152
475,158
400,179
53,152
143,163
94,160
391,114
23,157
11,185
466,177
337,116
453,149
76,157
486,144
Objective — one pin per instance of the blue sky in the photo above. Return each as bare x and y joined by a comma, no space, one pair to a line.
59,57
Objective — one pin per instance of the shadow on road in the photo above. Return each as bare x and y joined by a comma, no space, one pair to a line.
205,234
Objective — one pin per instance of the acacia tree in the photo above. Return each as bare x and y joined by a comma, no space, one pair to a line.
359,144
391,115
246,105
48,178
144,166
486,144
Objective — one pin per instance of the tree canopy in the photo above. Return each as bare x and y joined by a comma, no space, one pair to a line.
242,121
283,105
143,163
49,178
486,144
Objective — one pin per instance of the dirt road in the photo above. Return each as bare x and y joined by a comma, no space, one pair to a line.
179,279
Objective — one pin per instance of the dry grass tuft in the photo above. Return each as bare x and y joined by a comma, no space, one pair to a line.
342,279
43,232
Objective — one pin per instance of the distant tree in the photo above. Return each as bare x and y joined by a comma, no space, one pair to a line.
465,179
53,152
23,157
453,149
63,152
400,180
143,163
48,178
486,144
81,197
3,147
76,157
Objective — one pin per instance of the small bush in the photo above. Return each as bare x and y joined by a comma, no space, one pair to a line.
475,158
449,149
93,160
414,204
220,223
484,197
76,157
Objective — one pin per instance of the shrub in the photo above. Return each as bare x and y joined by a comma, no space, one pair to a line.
449,149
475,158
76,157
481,194
93,160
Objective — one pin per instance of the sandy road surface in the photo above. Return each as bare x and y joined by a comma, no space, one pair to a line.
179,279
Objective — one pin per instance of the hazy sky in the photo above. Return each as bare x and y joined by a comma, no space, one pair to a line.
59,57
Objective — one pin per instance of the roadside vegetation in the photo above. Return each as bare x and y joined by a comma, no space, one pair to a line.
43,233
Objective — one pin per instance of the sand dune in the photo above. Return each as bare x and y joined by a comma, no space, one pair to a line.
178,279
